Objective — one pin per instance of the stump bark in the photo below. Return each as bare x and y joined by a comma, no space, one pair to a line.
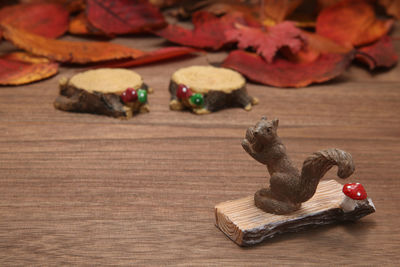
219,87
98,91
247,225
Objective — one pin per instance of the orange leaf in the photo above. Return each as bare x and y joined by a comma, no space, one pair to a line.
379,54
392,7
21,68
80,25
278,10
351,23
48,20
66,51
315,46
324,45
25,57
153,56
283,73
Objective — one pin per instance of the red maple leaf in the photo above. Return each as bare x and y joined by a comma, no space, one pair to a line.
208,30
268,41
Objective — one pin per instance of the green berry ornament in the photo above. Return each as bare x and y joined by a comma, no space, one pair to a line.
197,99
142,95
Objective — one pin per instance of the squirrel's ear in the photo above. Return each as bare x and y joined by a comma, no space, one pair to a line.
275,122
264,118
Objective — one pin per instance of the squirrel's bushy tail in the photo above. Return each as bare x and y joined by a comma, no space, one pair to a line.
315,167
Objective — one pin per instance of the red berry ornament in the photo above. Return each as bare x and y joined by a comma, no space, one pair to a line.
129,95
355,191
183,92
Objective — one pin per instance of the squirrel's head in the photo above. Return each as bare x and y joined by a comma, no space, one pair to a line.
266,131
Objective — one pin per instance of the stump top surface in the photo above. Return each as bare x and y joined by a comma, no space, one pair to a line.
106,80
202,79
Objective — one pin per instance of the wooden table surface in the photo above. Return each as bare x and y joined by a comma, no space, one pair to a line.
82,189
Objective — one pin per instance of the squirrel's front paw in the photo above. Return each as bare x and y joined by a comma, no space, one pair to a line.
250,135
246,145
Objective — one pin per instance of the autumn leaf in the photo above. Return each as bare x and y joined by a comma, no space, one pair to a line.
268,12
48,20
208,30
324,45
151,57
322,4
165,3
21,68
80,25
314,47
71,5
379,54
25,57
268,42
123,16
351,23
278,10
284,73
66,51
392,7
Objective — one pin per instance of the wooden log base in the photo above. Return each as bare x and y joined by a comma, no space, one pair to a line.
220,88
98,91
247,225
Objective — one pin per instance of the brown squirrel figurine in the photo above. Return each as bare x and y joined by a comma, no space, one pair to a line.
288,188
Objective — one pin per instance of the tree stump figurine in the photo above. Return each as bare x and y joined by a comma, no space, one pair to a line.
294,199
113,92
205,89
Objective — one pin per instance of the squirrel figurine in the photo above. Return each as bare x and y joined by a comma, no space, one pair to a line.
288,188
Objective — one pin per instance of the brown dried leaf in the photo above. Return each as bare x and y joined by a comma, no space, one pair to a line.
21,68
66,51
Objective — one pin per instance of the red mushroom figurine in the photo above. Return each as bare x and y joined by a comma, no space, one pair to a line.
354,196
